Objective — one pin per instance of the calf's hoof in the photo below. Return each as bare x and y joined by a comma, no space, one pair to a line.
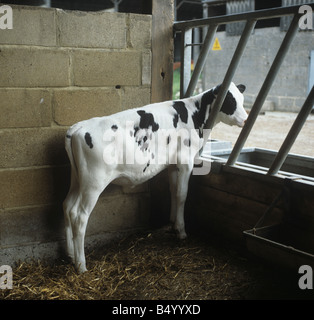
81,269
182,235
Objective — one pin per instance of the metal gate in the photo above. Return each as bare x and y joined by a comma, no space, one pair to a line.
188,82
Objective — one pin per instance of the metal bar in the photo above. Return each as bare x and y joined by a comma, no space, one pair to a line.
116,4
187,1
293,133
204,31
186,56
214,2
273,71
230,73
196,49
194,44
254,15
201,60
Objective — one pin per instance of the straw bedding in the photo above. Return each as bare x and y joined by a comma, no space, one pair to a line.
151,265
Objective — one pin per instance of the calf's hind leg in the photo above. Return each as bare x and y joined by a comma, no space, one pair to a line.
173,177
79,216
68,205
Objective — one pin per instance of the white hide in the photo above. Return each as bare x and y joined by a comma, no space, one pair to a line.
129,148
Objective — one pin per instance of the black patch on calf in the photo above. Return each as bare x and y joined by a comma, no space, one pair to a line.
216,89
175,120
198,116
179,106
114,127
241,87
88,140
135,130
148,163
147,120
207,98
229,105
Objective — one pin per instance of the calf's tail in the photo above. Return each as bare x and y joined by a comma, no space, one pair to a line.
68,148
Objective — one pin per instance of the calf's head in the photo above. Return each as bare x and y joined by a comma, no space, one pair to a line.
232,111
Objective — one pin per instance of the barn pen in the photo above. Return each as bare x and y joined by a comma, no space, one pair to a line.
272,207
252,201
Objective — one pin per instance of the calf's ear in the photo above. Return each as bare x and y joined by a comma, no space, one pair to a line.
216,90
241,87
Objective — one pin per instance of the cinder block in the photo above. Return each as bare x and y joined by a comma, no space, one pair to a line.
32,147
20,226
117,213
33,67
102,68
287,104
134,97
46,222
146,68
269,105
52,250
92,29
73,105
299,103
31,26
140,27
25,108
142,188
112,189
25,187
31,224
292,79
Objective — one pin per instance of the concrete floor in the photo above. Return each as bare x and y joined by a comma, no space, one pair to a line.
270,131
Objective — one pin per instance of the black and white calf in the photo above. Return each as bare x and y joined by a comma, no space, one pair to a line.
130,147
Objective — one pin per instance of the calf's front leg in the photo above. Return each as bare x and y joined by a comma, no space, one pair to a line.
183,176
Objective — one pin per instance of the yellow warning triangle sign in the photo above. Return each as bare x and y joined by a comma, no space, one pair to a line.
216,45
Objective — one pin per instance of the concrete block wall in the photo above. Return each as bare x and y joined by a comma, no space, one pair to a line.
291,85
57,68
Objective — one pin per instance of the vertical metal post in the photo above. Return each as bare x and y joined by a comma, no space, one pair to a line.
293,133
116,4
293,29
201,60
230,73
186,56
196,48
311,71
45,4
175,10
162,50
205,15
